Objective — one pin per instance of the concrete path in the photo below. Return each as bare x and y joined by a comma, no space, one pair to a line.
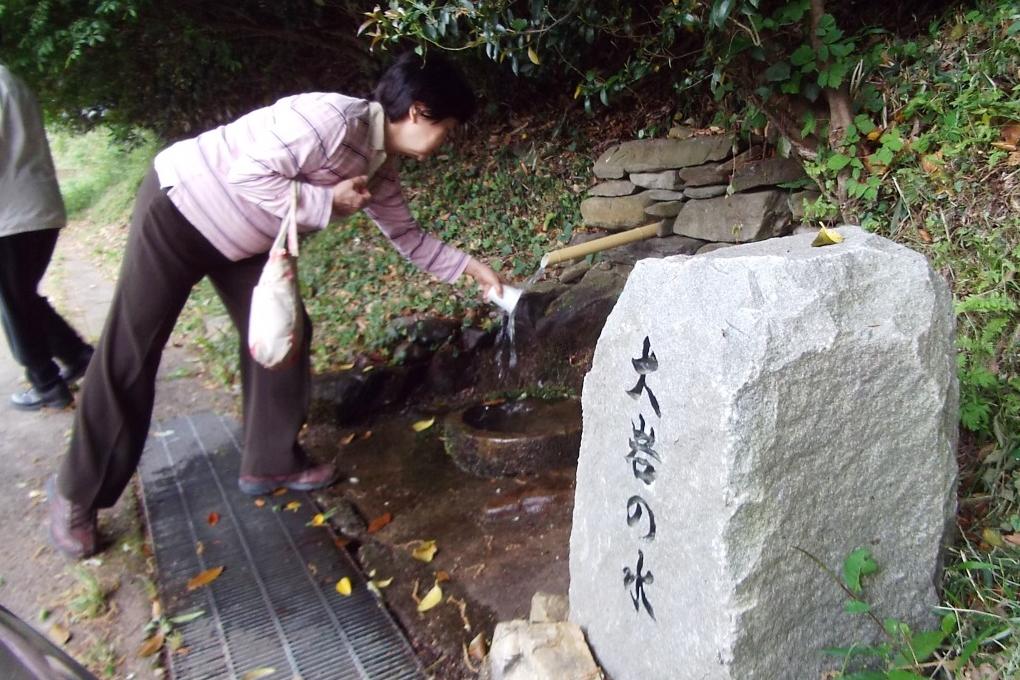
103,603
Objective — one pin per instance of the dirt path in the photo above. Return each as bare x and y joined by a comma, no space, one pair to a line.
103,603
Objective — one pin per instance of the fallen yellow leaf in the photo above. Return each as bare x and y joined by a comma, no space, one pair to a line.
152,645
343,586
827,237
346,367
318,520
293,506
434,597
478,649
383,583
425,551
422,425
993,538
205,578
60,634
256,673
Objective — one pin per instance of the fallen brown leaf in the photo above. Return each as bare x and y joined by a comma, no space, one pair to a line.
152,645
205,578
348,439
1013,539
279,492
260,502
923,233
478,648
379,522
213,518
442,576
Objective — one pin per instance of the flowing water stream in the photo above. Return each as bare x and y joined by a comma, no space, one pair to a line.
506,347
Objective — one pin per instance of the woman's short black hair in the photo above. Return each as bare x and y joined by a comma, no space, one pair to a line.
433,81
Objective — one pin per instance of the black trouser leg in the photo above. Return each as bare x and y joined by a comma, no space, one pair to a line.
35,331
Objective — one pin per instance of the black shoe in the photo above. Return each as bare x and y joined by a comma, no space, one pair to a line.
76,369
34,399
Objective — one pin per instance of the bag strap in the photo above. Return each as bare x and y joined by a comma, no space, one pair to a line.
288,234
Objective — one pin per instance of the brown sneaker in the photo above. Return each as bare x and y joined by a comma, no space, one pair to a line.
73,528
311,478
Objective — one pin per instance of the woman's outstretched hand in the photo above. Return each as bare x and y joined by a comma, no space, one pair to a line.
484,276
351,195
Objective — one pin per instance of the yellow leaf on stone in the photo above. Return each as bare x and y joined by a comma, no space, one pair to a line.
256,673
152,645
425,551
293,506
533,56
343,586
59,634
434,597
205,578
318,520
827,237
422,425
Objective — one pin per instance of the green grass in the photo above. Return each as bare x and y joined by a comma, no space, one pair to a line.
98,177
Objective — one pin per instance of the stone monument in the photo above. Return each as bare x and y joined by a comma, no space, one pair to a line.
745,404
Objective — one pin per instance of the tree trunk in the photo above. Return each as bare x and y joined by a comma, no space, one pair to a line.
840,112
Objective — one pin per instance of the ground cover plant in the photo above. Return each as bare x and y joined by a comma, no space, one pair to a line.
928,157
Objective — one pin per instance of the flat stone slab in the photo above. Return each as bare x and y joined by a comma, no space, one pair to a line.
739,218
621,212
701,193
616,187
767,172
657,180
664,209
746,403
653,155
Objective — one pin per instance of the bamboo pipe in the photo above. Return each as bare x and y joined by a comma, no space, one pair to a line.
660,228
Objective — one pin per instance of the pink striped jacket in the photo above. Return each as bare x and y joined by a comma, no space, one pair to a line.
232,182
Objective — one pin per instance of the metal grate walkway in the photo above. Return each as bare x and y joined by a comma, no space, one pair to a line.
275,605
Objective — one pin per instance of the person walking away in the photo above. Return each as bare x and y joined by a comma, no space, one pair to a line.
31,215
212,207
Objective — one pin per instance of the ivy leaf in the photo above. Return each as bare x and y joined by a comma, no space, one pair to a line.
842,49
857,564
802,55
720,12
838,161
856,607
778,71
923,645
863,123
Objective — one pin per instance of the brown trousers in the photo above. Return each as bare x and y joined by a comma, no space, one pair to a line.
165,257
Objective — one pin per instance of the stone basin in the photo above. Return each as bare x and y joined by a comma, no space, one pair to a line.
515,437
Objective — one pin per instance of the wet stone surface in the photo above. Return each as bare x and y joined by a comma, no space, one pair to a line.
499,541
